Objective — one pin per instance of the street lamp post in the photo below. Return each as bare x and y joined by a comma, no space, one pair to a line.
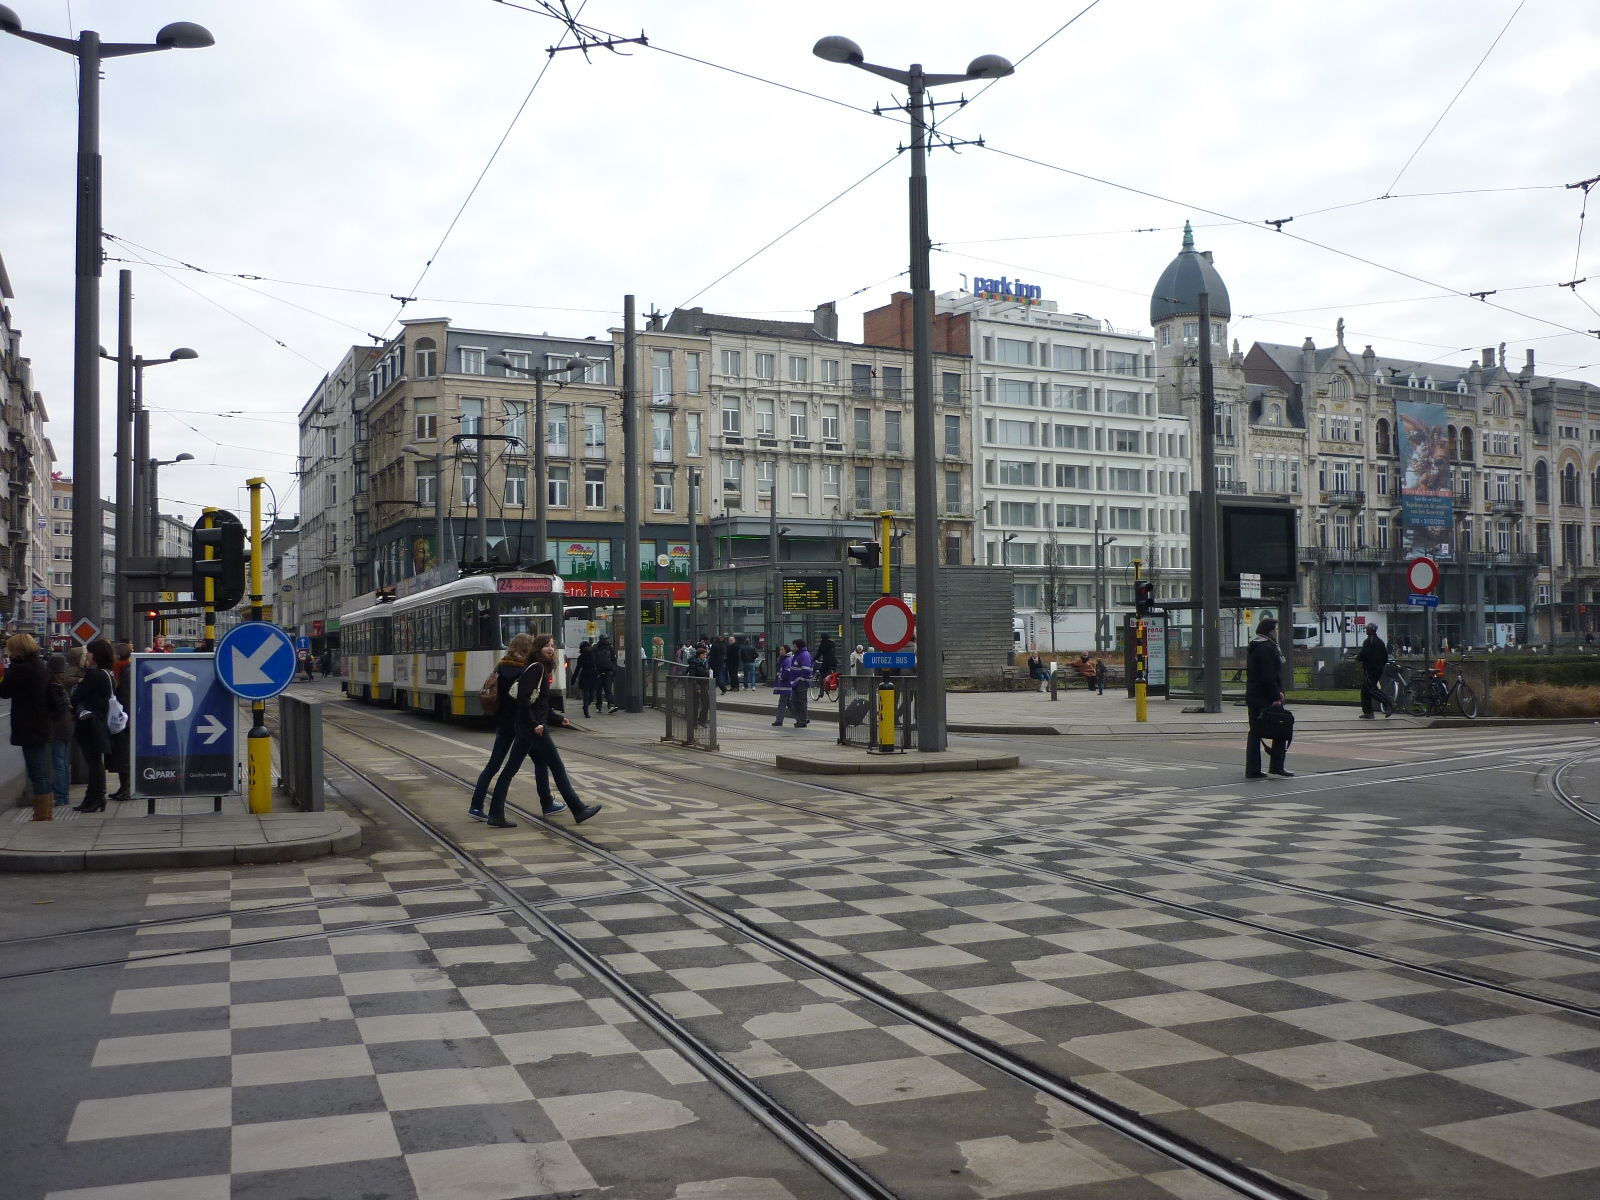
90,52
541,535
150,539
931,731
1102,637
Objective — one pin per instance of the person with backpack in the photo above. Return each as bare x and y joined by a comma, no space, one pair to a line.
27,685
605,666
536,714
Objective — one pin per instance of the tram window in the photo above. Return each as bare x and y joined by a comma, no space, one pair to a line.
521,616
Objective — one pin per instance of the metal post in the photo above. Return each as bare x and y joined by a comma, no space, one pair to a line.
258,746
1210,568
1099,586
540,534
87,569
145,507
694,549
478,489
438,511
124,481
633,614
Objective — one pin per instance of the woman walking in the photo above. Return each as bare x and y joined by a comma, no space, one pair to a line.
27,685
537,713
1264,691
91,700
510,668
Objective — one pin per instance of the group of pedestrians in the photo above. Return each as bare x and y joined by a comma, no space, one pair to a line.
792,681
731,663
593,673
64,701
526,718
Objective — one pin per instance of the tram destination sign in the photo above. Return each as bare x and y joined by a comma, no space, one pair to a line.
810,593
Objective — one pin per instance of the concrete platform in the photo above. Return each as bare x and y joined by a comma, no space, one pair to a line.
112,842
852,760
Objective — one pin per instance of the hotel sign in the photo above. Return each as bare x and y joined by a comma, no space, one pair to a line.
1007,289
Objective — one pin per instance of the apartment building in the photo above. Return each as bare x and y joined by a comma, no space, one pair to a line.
26,461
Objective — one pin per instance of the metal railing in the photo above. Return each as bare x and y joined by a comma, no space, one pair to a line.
858,710
300,750
691,708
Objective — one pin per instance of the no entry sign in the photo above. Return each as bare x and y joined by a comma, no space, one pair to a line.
1422,573
889,623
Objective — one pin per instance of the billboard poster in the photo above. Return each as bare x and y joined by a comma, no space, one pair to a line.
1426,499
678,553
583,560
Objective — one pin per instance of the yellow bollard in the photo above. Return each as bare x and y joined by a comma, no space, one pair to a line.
258,769
1141,699
885,717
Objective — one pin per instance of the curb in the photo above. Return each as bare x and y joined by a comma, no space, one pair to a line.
345,837
897,765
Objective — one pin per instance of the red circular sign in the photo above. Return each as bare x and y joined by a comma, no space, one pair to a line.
890,623
1422,573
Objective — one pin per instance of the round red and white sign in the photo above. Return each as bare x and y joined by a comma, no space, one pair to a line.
889,623
1422,573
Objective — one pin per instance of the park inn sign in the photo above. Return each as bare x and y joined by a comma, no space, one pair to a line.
1007,289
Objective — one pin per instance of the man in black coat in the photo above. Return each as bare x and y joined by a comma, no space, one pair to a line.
1373,656
1264,691
716,659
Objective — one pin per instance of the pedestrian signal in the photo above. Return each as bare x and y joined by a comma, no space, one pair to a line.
1144,596
865,554
217,553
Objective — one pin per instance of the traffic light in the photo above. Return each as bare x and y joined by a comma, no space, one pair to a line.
865,554
152,615
221,533
1144,598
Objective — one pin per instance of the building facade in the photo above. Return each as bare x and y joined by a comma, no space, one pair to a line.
26,462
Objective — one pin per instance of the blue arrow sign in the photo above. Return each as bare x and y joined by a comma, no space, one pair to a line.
1422,601
889,660
184,725
255,660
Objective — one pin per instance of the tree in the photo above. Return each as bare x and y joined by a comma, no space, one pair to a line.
1054,590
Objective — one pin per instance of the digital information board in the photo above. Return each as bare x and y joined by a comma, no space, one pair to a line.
810,593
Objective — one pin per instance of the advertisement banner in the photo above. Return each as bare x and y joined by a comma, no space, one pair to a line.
583,560
1426,498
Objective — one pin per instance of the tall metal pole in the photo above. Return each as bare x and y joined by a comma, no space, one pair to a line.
541,534
144,498
478,488
931,732
633,612
439,529
87,568
1099,587
124,482
694,549
1210,568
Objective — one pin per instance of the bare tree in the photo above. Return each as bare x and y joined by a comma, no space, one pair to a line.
1054,590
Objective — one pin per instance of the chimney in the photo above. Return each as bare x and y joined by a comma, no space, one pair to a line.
1527,368
825,320
1308,365
1206,254
1488,358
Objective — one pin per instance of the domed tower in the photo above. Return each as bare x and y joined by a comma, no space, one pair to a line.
1175,306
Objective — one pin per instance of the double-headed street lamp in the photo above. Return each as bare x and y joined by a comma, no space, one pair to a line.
931,732
539,375
90,52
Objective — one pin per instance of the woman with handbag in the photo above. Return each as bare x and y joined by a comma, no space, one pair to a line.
26,683
1263,697
537,713
91,700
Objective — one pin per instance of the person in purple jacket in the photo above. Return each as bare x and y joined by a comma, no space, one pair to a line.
800,665
780,683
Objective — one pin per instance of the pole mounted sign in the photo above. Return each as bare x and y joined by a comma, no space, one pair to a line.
1422,573
256,661
889,623
185,728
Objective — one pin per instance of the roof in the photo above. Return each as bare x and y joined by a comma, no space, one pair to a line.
1177,292
697,320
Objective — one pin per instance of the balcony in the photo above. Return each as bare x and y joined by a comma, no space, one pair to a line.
658,455
1463,503
1232,488
955,510
1505,506
1339,498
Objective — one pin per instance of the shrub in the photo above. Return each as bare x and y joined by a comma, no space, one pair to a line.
1522,699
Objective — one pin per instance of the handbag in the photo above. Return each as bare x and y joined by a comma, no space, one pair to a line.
116,715
489,693
1276,722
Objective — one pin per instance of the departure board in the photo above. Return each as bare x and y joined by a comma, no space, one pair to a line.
653,610
810,593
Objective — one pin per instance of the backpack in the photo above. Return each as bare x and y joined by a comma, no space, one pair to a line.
116,715
489,693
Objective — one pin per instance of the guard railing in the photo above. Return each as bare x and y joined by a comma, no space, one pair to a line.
691,708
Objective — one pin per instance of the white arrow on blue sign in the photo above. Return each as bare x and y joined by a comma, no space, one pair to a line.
184,725
255,660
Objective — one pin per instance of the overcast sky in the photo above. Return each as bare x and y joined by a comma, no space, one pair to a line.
328,144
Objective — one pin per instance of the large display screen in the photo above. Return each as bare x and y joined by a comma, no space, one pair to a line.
810,593
1258,540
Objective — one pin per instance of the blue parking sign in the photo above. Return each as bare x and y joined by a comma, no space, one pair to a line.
184,726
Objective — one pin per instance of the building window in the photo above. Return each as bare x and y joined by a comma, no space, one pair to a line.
800,479
766,417
799,423
426,482
661,485
1069,358
1012,350
952,387
555,431
952,550
1016,391
469,484
732,420
830,481
661,436
1541,483
893,382
952,434
691,434
766,366
892,477
471,360
952,491
799,368
516,487
830,422
594,431
1069,396
860,379
891,431
425,354
732,363
766,471
661,376
732,477
691,373
426,424
863,429
556,492
829,371
1120,363
863,488
594,487
471,415
517,424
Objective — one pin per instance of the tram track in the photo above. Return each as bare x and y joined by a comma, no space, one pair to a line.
745,1090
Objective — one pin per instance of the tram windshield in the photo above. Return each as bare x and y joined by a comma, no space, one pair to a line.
524,616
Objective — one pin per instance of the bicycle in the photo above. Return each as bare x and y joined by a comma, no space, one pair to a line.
826,686
1427,696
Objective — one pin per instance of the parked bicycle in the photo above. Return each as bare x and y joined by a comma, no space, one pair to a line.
1427,693
826,687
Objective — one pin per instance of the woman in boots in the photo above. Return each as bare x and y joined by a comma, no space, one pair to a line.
538,715
27,686
90,700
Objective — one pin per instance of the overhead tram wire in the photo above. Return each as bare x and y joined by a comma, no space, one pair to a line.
1472,75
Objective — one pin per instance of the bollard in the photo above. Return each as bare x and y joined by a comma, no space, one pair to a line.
1053,674
1141,700
885,717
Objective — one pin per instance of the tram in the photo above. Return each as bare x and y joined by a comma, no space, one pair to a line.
430,652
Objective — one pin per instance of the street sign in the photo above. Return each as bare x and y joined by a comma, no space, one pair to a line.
302,642
889,624
1249,586
1422,573
1422,601
185,727
85,631
880,660
255,661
